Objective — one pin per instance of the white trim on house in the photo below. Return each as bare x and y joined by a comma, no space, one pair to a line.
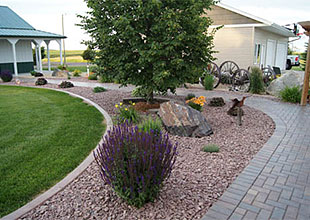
269,26
239,25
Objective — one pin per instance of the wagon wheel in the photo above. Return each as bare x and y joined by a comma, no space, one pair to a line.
268,75
241,81
229,69
212,69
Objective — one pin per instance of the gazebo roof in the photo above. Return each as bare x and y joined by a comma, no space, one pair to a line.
12,25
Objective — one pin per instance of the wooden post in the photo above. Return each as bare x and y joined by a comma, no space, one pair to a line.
306,26
239,116
306,79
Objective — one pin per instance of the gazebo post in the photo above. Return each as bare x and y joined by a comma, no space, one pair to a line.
306,26
39,59
13,42
37,56
47,42
60,49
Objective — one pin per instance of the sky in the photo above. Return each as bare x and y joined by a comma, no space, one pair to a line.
46,15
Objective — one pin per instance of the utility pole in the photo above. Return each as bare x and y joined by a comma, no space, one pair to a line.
63,33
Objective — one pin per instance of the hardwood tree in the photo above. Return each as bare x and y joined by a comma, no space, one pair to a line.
156,45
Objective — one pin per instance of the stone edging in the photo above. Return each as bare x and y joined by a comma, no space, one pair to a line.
70,177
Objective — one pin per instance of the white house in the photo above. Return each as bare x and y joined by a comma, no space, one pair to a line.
16,38
248,40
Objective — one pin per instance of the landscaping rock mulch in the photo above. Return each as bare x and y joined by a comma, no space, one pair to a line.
197,180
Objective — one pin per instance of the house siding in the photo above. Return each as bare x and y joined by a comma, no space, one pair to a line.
24,56
262,36
235,44
23,51
23,67
221,16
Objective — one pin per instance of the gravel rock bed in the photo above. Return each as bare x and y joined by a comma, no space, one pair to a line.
197,181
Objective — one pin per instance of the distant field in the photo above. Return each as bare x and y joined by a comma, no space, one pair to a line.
72,56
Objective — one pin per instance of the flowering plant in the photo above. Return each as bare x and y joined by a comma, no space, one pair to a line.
126,113
197,102
135,163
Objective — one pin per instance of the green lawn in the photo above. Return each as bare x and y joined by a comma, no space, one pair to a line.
297,68
44,135
72,68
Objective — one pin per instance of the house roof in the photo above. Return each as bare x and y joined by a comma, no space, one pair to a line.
12,25
265,24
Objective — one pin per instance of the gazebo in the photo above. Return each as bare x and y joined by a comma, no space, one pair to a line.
16,39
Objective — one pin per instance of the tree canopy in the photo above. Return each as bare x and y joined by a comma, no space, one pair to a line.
155,44
89,54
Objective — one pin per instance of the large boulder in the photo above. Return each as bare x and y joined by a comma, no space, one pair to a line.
184,121
60,73
288,79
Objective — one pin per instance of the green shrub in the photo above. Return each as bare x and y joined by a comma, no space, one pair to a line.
149,125
104,78
77,73
92,77
190,96
139,92
62,67
36,74
65,84
99,89
195,106
291,94
208,82
126,113
41,82
211,148
256,80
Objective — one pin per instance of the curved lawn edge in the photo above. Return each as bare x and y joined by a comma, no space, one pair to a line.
72,175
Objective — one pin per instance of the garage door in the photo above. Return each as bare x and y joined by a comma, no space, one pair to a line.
281,55
271,51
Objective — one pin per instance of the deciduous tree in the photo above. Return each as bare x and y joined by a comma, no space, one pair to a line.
154,44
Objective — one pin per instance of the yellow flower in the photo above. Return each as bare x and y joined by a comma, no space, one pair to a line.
126,109
116,106
120,104
133,104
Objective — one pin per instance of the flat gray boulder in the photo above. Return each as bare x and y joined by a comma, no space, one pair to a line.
290,79
184,121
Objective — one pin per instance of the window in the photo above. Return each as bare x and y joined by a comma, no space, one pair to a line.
258,54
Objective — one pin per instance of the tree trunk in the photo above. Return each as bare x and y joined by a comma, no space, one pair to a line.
150,97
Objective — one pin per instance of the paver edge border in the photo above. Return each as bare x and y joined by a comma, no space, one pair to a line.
71,176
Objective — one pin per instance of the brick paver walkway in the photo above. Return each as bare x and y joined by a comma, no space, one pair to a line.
276,183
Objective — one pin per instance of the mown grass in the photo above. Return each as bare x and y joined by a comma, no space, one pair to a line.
72,68
44,135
